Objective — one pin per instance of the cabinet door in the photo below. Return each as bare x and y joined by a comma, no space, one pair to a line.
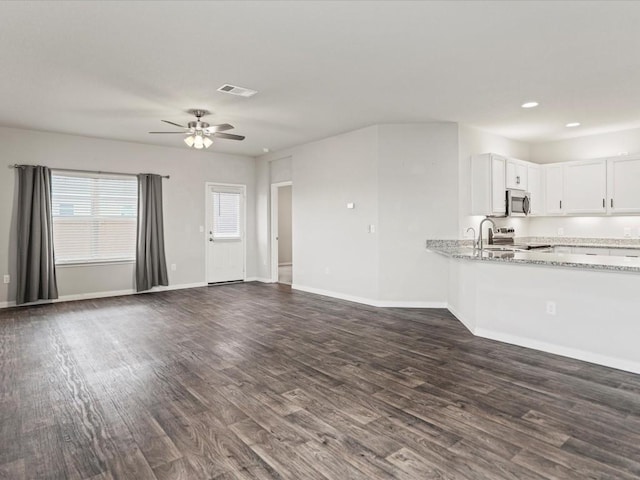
534,182
516,174
553,189
487,185
498,190
623,176
585,187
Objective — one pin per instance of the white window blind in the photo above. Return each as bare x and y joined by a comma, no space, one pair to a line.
94,218
226,215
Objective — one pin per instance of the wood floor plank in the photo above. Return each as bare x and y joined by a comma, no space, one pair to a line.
255,381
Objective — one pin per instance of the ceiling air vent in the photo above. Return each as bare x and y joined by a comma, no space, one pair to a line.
240,91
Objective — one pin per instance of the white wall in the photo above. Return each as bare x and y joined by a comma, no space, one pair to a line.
403,180
582,148
183,201
284,225
473,142
333,250
418,199
280,170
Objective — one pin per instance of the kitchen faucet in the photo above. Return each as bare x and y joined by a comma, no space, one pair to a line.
480,241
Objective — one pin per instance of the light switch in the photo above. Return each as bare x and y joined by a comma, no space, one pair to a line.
372,229
7,279
351,205
201,229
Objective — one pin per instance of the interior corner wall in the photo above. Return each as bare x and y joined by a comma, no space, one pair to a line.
184,202
333,250
418,200
473,141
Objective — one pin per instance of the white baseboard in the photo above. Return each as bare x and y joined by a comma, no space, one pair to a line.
619,363
112,293
408,304
461,319
369,301
329,293
258,279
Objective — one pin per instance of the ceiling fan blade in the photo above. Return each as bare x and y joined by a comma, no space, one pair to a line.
181,133
228,136
219,128
172,123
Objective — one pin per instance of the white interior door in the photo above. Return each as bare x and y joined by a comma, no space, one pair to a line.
225,233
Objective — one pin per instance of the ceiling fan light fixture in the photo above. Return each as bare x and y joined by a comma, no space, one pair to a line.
198,132
198,141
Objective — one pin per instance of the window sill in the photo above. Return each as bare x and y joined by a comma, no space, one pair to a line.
94,263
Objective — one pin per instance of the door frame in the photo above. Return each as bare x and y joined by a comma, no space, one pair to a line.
207,212
274,227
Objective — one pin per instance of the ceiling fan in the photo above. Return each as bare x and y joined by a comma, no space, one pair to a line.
198,132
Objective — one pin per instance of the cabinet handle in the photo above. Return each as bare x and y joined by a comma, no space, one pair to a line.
604,204
612,203
560,204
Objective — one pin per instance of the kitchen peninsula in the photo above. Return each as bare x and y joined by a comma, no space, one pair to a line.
578,305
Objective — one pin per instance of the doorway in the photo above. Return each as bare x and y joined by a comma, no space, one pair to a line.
225,233
281,236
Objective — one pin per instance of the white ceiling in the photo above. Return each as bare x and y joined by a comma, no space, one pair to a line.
114,69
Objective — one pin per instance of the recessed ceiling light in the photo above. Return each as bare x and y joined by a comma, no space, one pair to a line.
530,104
572,124
265,150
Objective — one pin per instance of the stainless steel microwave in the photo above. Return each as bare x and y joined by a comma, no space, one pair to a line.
518,203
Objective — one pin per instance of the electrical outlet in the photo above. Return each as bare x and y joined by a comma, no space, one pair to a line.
372,229
173,267
7,279
327,270
627,232
551,307
560,231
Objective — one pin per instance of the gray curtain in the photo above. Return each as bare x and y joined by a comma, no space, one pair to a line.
36,275
151,265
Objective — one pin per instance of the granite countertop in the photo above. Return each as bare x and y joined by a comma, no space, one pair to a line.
463,249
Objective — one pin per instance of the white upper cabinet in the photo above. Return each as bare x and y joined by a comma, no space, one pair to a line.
516,174
534,187
585,187
553,186
623,185
488,185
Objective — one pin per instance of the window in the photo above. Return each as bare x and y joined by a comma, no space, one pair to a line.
94,218
226,215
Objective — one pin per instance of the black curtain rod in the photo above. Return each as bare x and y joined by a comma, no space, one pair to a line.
86,171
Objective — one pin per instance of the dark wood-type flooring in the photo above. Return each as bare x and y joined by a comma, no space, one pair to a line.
253,381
